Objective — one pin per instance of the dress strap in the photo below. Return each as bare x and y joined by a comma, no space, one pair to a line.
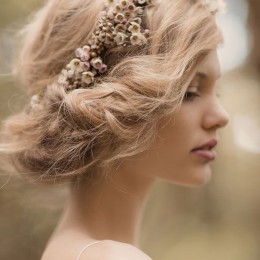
88,245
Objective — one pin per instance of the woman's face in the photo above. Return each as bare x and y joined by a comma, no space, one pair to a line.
184,148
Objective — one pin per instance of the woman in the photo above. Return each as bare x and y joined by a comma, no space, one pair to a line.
136,102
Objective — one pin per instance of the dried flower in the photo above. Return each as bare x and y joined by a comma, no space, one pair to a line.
78,52
110,13
140,10
86,65
131,8
35,100
120,28
93,54
102,36
150,2
119,18
215,5
83,55
103,69
109,3
134,27
205,2
76,65
117,24
222,6
96,62
141,2
137,39
109,39
146,33
102,14
118,8
62,79
70,74
87,77
137,20
143,39
124,3
94,72
120,38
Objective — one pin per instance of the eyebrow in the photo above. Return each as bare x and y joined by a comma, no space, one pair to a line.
205,76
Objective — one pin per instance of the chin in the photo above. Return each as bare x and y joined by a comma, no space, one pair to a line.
202,177
196,179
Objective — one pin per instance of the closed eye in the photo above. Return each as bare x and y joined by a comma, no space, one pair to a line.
189,96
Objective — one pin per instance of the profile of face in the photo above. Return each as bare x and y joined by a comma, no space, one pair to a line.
184,147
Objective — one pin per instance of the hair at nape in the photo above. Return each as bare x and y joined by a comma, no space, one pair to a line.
77,134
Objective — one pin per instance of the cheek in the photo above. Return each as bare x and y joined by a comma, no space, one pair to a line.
170,158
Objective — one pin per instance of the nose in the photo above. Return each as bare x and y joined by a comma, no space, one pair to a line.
216,116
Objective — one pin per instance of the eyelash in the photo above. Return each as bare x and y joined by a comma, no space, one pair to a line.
189,96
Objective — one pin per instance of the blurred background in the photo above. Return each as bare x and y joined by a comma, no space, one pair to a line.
218,221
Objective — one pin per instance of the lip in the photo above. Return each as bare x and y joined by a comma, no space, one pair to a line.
206,154
205,151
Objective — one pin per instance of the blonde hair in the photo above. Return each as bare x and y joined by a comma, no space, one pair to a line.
88,131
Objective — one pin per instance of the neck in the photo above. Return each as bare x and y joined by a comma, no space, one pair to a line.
111,208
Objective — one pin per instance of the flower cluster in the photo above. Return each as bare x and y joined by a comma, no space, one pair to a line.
119,24
215,5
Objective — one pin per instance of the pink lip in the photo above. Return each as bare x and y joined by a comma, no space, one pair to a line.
206,151
207,154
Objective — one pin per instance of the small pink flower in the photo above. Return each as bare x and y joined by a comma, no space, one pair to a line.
124,3
84,57
96,62
78,52
140,10
83,54
120,38
63,77
134,27
86,48
103,69
35,100
150,2
119,18
87,77
110,13
74,64
102,14
102,36
137,39
137,20
86,65
120,28
94,72
118,8
146,33
70,74
131,8
109,3
77,75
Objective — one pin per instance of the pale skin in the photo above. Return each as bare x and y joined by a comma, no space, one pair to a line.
112,210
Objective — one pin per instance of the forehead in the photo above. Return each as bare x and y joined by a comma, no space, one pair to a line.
209,68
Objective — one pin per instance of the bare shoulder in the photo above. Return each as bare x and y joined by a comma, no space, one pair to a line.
118,250
104,250
111,250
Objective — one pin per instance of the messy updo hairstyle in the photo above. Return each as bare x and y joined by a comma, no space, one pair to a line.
86,132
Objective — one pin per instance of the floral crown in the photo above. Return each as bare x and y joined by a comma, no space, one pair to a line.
215,5
119,24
